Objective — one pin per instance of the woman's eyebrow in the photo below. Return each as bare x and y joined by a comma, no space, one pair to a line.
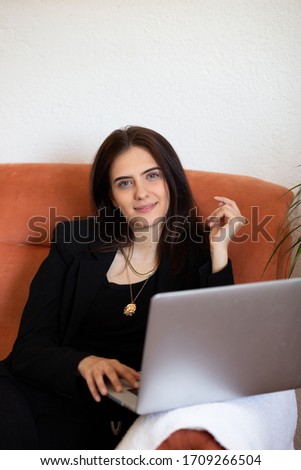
121,178
151,169
143,173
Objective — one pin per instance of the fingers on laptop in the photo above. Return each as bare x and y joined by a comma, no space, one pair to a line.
97,370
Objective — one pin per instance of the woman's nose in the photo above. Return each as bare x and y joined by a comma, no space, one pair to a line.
140,191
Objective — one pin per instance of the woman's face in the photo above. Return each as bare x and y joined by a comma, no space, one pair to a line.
138,188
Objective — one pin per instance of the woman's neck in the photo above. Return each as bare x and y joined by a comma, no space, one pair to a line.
146,240
144,248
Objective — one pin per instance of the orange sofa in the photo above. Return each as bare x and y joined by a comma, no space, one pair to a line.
34,197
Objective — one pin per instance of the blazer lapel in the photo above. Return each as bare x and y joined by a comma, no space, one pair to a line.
91,273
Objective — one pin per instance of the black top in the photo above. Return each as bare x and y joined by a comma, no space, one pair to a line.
105,331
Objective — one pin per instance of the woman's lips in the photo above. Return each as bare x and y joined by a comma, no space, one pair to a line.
145,208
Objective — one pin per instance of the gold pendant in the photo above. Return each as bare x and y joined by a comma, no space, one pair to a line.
129,310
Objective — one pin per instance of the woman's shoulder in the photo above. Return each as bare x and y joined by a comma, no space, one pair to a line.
80,229
77,230
77,235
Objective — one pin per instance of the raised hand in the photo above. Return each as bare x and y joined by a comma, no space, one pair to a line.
224,223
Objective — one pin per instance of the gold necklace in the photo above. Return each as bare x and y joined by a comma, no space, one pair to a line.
149,273
131,308
129,264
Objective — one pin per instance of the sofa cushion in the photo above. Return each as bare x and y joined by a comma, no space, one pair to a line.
18,266
36,196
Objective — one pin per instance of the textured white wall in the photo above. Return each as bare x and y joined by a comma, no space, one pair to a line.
219,78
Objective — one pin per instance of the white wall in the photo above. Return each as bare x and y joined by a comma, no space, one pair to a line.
221,79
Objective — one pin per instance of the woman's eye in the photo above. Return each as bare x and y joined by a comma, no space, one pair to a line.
124,184
153,176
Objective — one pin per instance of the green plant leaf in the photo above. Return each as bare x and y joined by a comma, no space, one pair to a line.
287,228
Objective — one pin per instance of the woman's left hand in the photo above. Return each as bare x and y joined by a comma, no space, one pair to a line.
224,223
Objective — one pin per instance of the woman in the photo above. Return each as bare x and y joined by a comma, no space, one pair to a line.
85,319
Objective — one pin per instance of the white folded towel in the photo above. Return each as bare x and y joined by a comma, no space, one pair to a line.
259,422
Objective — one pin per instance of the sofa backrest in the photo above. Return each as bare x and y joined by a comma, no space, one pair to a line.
34,197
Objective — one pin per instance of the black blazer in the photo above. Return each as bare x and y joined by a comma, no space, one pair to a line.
62,292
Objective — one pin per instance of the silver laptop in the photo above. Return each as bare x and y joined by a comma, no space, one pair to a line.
216,344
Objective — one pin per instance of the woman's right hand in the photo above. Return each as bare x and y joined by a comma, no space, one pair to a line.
95,369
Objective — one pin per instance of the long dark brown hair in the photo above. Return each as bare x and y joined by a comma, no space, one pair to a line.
117,232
